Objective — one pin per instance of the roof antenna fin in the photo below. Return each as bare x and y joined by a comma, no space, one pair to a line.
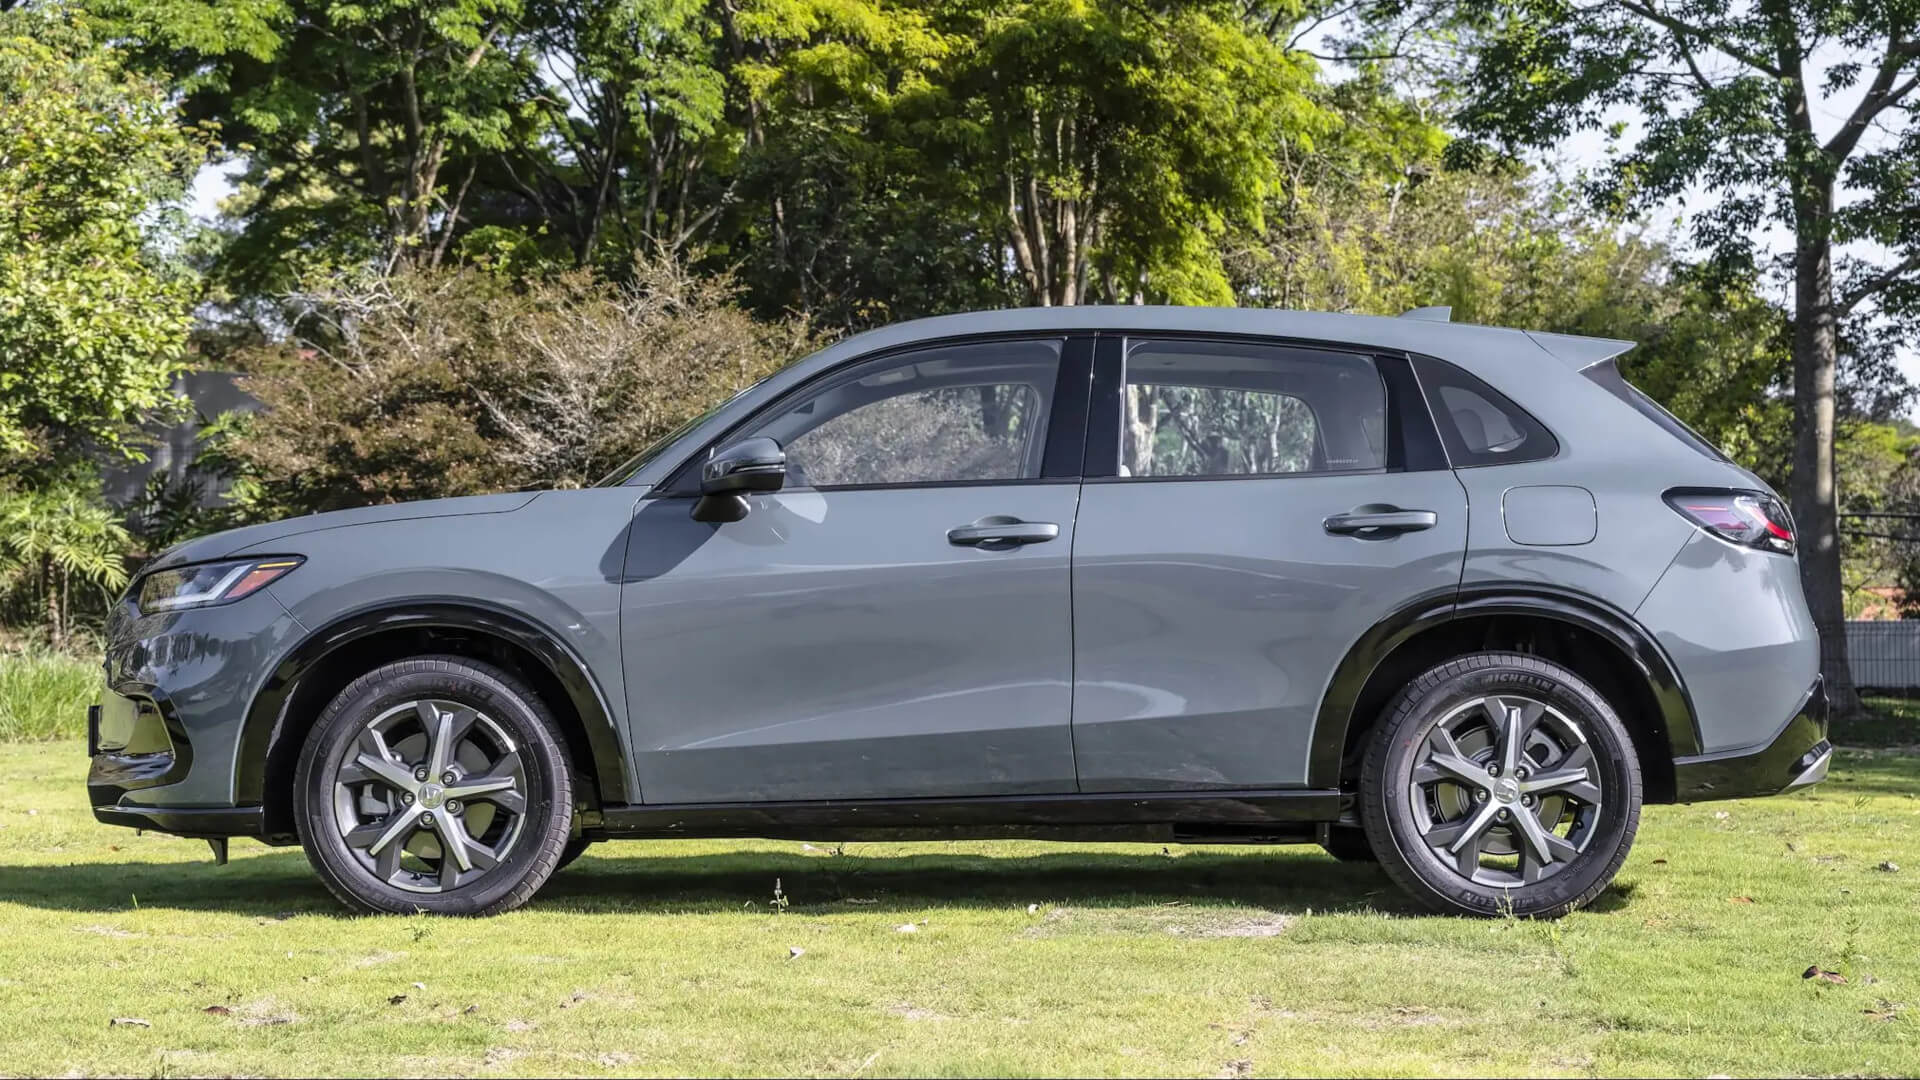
1429,314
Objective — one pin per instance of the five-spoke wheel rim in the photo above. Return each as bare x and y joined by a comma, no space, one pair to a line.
1506,790
430,795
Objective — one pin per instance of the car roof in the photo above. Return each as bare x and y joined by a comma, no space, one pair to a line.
1457,342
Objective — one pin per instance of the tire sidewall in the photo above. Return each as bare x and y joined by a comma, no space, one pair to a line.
1388,798
548,794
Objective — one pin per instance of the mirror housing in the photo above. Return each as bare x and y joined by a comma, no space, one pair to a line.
751,465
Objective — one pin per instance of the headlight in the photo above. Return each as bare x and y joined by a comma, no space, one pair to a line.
204,584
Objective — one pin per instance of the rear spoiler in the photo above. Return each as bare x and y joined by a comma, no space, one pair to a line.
1579,353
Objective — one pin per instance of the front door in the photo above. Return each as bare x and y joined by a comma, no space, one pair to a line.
896,622
1263,512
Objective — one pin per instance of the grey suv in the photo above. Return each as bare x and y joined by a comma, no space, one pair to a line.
1455,598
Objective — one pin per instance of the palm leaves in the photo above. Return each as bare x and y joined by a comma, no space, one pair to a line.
53,537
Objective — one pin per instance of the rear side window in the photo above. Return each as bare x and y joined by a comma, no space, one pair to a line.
1609,377
1211,408
1478,424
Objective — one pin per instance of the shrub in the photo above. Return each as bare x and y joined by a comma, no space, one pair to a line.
452,382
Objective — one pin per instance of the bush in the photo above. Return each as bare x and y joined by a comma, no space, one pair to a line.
453,382
44,695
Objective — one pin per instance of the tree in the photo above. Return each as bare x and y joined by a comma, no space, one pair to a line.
1114,145
636,150
363,126
1729,96
55,535
93,314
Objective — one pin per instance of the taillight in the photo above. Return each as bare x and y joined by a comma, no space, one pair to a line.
1753,518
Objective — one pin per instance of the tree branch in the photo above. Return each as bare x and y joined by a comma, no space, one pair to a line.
1693,66
1681,27
1878,282
1880,94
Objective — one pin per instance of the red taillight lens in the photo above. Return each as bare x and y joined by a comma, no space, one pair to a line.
1752,518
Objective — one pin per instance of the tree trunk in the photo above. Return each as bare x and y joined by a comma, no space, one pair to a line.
1143,421
50,598
1815,509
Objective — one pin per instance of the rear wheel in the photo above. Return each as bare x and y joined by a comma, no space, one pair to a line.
434,784
1501,783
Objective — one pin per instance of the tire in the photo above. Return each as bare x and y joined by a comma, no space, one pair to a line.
1349,844
575,848
1433,789
386,836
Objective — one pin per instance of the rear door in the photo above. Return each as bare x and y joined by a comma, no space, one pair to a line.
1250,510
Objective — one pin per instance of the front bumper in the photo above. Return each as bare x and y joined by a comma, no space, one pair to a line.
205,823
163,741
1796,757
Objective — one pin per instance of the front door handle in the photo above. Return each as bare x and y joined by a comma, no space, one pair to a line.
1369,524
1001,531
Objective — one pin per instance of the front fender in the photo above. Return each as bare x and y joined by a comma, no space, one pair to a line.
268,717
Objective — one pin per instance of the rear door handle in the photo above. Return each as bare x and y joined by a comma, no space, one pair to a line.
1379,524
999,530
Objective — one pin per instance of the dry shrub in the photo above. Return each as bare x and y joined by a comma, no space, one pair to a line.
453,382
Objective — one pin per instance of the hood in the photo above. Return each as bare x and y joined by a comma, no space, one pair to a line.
233,541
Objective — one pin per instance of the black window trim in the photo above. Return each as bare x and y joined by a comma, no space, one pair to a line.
1095,377
1068,412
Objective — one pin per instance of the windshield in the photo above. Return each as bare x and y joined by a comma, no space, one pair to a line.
639,461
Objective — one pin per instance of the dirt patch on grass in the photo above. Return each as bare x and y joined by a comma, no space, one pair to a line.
266,1012
1177,920
1268,925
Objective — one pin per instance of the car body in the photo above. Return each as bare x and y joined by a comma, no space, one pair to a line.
1150,631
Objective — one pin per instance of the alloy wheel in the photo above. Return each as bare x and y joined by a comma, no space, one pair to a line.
1506,790
430,795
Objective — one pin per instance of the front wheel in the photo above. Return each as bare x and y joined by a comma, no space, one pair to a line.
1500,783
434,784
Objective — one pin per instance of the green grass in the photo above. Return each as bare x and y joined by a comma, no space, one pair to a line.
44,695
1890,721
668,958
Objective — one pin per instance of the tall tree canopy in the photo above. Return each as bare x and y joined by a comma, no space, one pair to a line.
858,159
362,125
1729,96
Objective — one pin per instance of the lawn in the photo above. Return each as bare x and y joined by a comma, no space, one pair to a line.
674,958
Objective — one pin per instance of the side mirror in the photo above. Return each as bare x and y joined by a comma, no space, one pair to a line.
727,477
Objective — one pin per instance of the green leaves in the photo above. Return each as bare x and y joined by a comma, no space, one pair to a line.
93,319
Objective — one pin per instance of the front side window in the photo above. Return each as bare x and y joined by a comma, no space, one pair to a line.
954,414
1201,409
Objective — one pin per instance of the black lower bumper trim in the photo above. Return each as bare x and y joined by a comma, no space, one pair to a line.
1796,757
207,822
